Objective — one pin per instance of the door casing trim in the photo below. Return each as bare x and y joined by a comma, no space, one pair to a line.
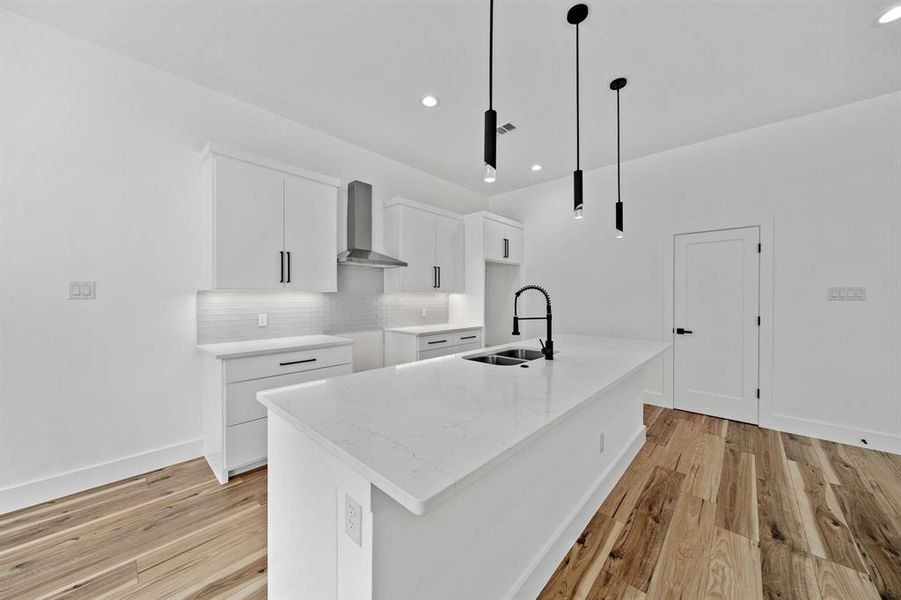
766,223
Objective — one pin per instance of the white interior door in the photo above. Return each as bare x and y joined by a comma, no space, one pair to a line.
717,277
249,225
311,235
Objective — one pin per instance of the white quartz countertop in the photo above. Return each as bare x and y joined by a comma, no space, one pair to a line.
270,345
429,329
423,431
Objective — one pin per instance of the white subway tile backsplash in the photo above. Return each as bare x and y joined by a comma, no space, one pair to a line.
358,305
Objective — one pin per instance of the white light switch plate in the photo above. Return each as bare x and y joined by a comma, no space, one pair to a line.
262,319
82,290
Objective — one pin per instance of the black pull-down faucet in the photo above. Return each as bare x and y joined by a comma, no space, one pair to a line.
546,348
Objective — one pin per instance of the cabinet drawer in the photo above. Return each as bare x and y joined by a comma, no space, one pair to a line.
473,336
436,341
267,365
426,354
468,347
240,398
245,443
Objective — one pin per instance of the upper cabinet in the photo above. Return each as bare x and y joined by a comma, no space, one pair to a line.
503,240
431,241
272,225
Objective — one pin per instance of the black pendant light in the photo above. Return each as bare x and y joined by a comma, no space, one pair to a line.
489,167
616,85
574,16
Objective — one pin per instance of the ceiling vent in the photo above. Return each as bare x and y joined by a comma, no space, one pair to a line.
505,128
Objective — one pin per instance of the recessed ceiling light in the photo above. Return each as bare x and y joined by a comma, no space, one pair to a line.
892,14
536,167
429,101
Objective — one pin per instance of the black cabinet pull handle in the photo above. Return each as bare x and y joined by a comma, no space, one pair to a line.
439,277
434,277
289,268
681,331
297,362
468,337
281,263
438,342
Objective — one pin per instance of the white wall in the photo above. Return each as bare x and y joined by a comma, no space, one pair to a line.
832,182
100,180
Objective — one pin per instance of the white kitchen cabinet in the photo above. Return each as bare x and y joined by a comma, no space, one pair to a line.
430,241
311,235
271,225
408,344
234,423
449,253
249,218
414,233
503,240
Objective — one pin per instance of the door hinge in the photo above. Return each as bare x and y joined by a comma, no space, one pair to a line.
759,248
758,392
758,320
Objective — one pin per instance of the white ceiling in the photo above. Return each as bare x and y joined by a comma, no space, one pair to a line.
357,69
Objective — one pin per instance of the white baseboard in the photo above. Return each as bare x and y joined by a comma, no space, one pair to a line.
533,580
834,433
657,399
57,486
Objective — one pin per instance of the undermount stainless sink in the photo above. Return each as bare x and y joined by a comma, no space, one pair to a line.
521,353
494,359
513,356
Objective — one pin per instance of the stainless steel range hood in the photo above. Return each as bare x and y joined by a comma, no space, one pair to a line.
359,251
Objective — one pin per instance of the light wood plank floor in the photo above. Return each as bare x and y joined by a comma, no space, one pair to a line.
173,533
718,509
708,509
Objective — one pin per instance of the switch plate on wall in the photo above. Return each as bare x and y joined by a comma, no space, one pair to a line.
82,290
262,319
353,520
846,294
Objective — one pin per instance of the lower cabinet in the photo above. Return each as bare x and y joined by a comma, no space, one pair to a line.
234,422
403,347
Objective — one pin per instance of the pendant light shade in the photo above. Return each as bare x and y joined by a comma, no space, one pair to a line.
616,85
574,16
489,166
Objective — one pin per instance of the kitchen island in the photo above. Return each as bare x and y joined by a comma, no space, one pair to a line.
448,478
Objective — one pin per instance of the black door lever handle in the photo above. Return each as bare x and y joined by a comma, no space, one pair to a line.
681,331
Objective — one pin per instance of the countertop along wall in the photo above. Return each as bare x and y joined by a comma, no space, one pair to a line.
831,181
101,180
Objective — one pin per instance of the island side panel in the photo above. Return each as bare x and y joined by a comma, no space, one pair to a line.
212,415
310,556
502,536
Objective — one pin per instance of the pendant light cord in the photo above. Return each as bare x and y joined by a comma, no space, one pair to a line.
578,167
491,57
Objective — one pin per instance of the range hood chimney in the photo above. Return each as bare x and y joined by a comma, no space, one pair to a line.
359,231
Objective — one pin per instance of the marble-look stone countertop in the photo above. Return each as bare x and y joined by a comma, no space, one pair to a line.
430,329
423,431
271,345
